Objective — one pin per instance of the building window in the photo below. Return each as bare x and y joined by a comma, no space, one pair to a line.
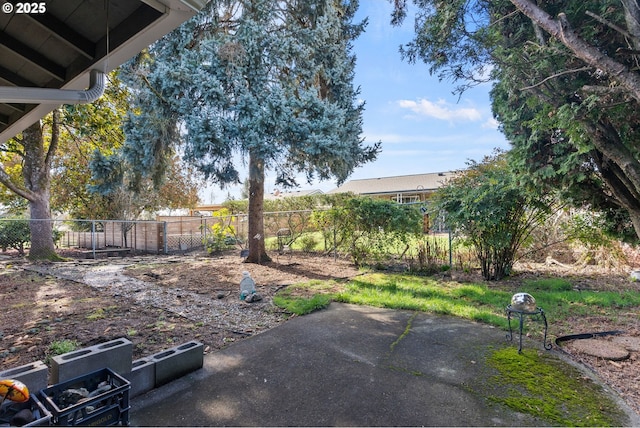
406,199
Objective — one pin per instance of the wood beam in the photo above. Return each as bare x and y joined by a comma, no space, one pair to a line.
34,57
64,33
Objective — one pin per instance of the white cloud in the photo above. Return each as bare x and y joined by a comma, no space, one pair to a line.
440,110
491,123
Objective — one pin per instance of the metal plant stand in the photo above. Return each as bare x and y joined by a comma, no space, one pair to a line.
538,313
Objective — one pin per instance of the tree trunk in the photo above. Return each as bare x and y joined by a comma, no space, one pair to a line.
257,252
42,245
37,180
632,19
618,184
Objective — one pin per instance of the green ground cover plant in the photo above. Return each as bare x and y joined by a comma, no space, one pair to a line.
60,347
481,301
303,306
530,383
304,298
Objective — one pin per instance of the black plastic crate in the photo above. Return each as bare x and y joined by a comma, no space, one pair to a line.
42,416
106,408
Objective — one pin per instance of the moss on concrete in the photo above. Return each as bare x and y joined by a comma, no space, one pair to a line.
540,385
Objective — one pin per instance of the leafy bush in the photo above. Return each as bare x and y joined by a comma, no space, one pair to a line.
14,234
587,232
370,229
221,235
308,242
489,207
432,256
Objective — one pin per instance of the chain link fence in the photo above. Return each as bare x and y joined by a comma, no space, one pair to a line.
15,235
169,235
285,231
86,236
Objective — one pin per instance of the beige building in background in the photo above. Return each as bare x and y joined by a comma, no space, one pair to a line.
403,189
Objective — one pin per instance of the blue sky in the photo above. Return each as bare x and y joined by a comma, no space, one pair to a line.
423,126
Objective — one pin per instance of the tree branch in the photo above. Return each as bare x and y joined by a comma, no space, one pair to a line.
562,31
553,76
632,19
153,89
5,179
603,90
609,24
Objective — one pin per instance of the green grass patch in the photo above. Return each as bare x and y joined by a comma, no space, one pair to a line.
161,325
304,298
302,306
548,284
99,313
60,347
535,384
474,301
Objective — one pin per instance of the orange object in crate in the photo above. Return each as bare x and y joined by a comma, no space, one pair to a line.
13,390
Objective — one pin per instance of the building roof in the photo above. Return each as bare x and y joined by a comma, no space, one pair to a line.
56,43
416,183
293,193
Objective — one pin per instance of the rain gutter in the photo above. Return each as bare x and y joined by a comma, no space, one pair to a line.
25,95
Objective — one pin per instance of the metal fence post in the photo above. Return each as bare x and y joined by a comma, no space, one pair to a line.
335,244
164,237
205,228
93,238
450,252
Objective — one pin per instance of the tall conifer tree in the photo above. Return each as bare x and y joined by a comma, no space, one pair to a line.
269,81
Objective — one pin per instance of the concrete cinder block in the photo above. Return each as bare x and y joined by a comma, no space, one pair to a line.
34,375
178,361
116,354
142,376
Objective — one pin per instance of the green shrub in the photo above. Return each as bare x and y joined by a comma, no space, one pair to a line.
488,206
432,255
308,243
370,229
14,234
221,235
60,347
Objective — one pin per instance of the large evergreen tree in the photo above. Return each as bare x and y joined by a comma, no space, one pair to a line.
567,87
268,81
90,144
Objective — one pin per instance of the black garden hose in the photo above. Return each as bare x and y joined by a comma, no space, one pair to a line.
587,336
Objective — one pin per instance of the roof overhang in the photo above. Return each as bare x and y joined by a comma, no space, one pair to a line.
61,42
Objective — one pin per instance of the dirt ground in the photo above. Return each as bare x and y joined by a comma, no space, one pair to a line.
185,298
160,302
